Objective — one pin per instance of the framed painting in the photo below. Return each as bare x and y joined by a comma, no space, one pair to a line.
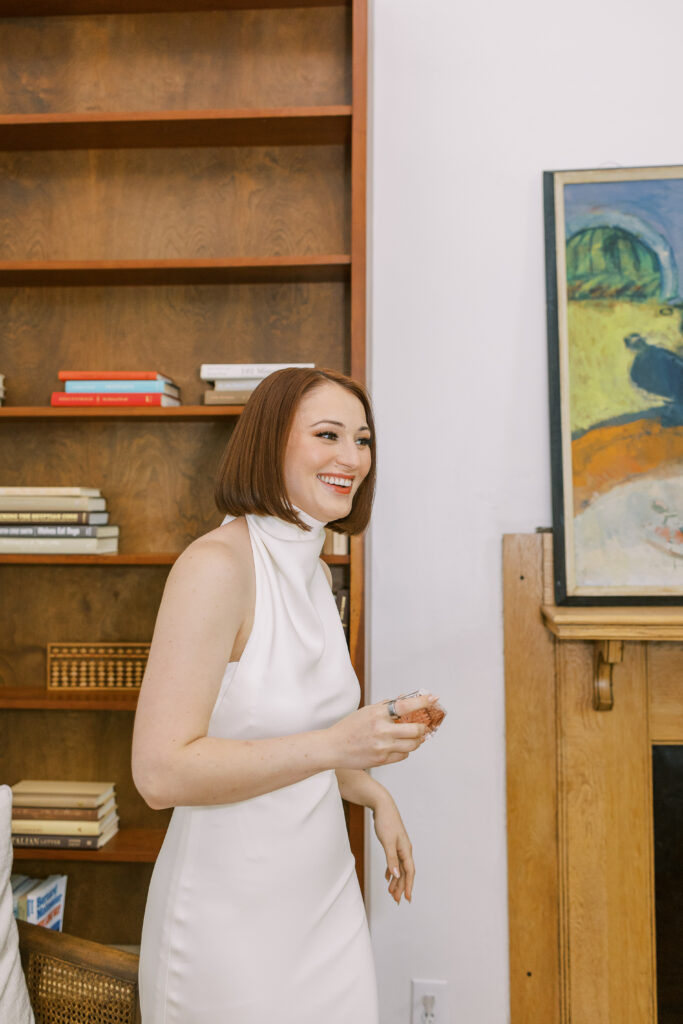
614,276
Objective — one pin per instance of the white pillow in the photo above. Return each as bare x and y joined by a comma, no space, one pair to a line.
14,1004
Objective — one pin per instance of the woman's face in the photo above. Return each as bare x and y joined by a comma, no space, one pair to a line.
328,452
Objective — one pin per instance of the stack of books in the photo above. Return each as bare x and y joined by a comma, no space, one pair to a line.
39,900
233,383
115,387
48,814
335,543
55,520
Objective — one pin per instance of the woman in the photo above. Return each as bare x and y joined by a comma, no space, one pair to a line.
246,725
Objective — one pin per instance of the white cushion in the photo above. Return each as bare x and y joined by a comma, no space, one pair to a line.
14,1004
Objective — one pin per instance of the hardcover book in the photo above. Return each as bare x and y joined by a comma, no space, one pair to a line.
64,813
112,375
59,531
59,545
80,387
115,399
52,518
57,842
212,371
54,793
63,826
50,503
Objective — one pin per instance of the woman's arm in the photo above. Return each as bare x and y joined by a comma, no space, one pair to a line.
175,763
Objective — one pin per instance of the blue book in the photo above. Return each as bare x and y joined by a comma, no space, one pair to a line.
106,387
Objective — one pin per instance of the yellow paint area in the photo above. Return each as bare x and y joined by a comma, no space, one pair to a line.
600,363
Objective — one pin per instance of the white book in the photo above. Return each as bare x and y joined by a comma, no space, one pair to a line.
50,503
63,827
236,383
212,371
59,545
72,492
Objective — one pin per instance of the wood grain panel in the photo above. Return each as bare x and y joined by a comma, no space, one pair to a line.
157,478
606,839
70,603
665,672
162,203
76,745
104,902
172,329
531,789
176,61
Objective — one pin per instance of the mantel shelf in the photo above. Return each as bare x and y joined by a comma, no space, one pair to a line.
282,126
132,412
663,623
153,558
46,8
271,269
129,845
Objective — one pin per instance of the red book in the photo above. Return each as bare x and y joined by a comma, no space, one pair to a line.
111,375
115,398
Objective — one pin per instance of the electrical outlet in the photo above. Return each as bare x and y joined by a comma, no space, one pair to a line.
428,1002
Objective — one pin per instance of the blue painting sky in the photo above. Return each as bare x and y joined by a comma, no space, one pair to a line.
652,209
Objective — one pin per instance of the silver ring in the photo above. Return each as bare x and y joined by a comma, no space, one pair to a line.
391,708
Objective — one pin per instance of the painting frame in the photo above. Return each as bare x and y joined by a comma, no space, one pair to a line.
615,450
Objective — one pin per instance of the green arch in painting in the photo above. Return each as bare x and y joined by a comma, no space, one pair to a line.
606,262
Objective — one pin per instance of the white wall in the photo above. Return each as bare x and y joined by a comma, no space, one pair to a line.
470,101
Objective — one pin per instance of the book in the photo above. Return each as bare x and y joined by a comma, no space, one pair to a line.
52,518
61,492
227,397
244,384
64,813
59,545
212,371
112,375
57,842
43,904
335,543
20,886
87,387
58,793
341,598
59,531
50,503
63,826
118,398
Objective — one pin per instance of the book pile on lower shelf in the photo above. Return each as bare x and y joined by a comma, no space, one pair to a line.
115,388
39,900
58,815
233,383
55,521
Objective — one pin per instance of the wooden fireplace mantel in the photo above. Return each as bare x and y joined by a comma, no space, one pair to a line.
579,794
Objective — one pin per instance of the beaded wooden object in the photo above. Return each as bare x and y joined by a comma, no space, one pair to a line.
113,666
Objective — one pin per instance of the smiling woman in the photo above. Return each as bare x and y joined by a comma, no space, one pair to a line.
247,726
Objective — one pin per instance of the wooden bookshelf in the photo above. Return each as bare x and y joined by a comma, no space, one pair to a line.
159,216
294,126
129,846
273,269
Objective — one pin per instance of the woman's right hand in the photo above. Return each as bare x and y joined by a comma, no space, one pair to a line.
370,737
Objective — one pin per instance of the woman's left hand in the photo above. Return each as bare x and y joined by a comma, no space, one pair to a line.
392,835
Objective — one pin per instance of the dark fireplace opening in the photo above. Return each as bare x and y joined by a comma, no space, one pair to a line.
667,783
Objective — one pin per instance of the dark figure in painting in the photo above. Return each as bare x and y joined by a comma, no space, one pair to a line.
656,369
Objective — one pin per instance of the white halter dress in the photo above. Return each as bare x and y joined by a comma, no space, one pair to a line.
254,914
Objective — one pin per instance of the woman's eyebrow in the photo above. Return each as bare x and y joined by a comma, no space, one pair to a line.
336,423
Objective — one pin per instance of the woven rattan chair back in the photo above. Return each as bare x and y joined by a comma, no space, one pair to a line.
74,981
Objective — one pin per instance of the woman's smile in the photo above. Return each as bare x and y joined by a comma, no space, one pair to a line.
340,483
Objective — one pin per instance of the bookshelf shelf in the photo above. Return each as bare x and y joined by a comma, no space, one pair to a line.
38,698
47,8
284,126
129,845
132,412
273,269
153,558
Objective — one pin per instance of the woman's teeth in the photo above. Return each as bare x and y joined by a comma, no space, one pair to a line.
335,481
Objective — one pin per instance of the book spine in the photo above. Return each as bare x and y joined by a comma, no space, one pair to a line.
211,371
71,532
56,813
62,492
61,827
47,503
16,518
89,387
59,545
111,375
55,842
116,398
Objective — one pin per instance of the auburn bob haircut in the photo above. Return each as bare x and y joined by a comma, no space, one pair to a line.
251,475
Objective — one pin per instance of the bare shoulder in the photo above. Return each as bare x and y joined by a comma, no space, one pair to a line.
218,559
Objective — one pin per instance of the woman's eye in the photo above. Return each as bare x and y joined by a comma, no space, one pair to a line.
365,441
329,435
